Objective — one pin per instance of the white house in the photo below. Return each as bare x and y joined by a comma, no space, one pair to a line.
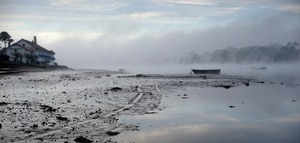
25,51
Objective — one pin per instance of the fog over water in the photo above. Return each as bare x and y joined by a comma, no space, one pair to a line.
159,47
97,34
281,60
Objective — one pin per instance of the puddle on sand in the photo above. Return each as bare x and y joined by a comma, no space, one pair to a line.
262,113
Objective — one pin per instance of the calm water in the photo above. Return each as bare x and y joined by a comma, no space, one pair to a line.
262,113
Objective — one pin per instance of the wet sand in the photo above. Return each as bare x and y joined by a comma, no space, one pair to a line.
85,105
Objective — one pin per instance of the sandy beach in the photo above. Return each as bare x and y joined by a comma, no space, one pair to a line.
88,105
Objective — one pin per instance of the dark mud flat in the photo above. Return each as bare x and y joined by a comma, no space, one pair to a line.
7,69
86,105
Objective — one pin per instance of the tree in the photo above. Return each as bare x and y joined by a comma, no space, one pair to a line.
10,41
5,38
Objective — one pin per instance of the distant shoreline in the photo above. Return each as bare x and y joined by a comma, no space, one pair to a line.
10,68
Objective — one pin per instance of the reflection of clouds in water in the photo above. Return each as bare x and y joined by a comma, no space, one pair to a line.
291,118
228,132
171,134
259,101
247,132
267,114
176,117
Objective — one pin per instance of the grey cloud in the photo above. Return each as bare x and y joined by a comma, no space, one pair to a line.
169,46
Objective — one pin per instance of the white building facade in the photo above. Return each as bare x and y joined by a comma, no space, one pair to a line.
28,52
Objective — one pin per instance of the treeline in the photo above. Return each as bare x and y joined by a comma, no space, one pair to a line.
273,53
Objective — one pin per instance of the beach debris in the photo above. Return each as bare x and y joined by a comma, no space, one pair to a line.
247,83
134,88
47,108
227,86
62,118
115,89
111,133
185,97
151,112
140,75
108,75
98,76
96,112
294,100
231,106
34,126
40,139
0,125
224,86
81,139
44,123
3,103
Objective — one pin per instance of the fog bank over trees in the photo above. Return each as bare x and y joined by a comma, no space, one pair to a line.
272,53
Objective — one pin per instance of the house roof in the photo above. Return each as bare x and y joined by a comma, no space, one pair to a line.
26,48
34,45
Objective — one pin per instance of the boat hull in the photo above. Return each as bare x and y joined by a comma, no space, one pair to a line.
206,71
259,68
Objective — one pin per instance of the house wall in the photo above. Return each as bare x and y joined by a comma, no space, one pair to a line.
45,56
12,50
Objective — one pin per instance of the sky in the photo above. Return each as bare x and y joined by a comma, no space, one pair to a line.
98,33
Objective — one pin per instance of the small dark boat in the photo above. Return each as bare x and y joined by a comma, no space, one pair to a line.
206,71
259,68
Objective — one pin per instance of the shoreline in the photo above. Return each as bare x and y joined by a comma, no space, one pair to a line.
63,106
9,68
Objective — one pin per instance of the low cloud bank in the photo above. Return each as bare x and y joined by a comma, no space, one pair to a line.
272,53
155,46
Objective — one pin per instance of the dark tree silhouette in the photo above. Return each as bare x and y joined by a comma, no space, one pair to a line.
4,58
5,38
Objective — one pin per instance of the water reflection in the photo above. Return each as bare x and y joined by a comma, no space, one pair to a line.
264,113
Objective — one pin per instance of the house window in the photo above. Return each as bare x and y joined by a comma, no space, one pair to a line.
23,45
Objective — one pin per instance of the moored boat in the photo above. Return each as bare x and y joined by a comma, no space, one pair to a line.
259,68
206,71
